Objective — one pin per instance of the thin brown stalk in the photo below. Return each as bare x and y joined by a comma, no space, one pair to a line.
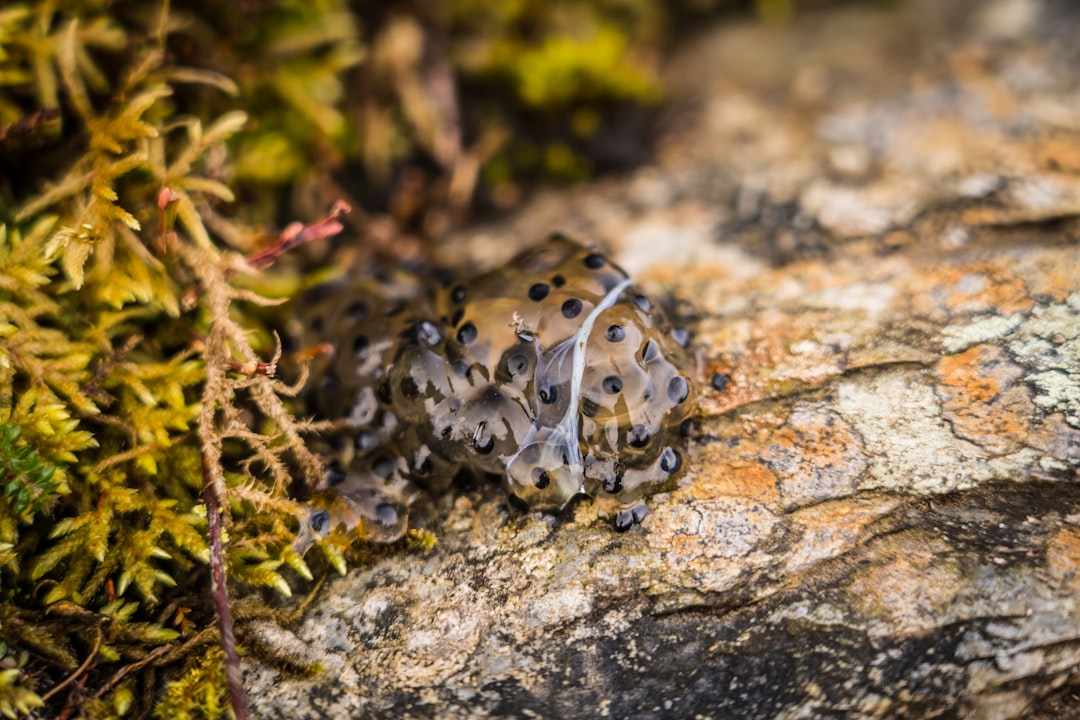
237,699
79,671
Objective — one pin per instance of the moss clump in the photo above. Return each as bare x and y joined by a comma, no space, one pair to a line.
118,333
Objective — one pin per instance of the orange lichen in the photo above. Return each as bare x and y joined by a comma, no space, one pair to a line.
983,398
816,456
984,287
782,353
737,477
910,585
1063,557
1059,151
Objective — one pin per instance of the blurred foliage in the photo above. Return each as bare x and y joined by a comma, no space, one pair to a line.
145,148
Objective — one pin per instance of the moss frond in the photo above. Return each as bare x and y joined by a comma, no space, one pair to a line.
198,693
117,334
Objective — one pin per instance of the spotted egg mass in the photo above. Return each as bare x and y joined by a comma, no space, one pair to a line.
554,371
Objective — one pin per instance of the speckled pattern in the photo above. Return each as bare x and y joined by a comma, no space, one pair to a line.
553,370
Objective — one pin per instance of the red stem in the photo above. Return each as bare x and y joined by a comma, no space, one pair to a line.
221,600
298,234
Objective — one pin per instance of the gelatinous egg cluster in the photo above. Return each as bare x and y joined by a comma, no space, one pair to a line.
553,371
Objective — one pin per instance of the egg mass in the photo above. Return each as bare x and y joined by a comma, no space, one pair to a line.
553,371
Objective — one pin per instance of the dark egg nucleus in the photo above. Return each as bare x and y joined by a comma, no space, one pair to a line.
539,291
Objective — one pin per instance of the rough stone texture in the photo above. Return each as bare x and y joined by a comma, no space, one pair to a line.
871,215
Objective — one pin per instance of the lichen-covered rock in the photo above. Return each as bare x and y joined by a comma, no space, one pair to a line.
882,513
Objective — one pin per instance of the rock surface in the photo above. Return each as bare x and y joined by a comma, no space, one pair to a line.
872,217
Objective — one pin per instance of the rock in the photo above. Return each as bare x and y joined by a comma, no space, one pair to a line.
872,215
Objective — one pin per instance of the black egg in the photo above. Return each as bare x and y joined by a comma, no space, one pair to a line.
334,475
425,466
517,364
612,384
358,310
613,484
428,332
539,291
638,436
650,352
467,333
670,460
628,518
409,388
386,514
615,333
383,393
548,393
319,521
483,442
383,467
571,308
678,389
366,440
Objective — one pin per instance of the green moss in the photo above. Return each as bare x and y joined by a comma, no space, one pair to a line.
115,315
198,692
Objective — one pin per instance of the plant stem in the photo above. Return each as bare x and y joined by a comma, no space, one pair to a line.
237,699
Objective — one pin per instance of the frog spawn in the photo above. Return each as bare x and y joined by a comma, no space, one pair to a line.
553,371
